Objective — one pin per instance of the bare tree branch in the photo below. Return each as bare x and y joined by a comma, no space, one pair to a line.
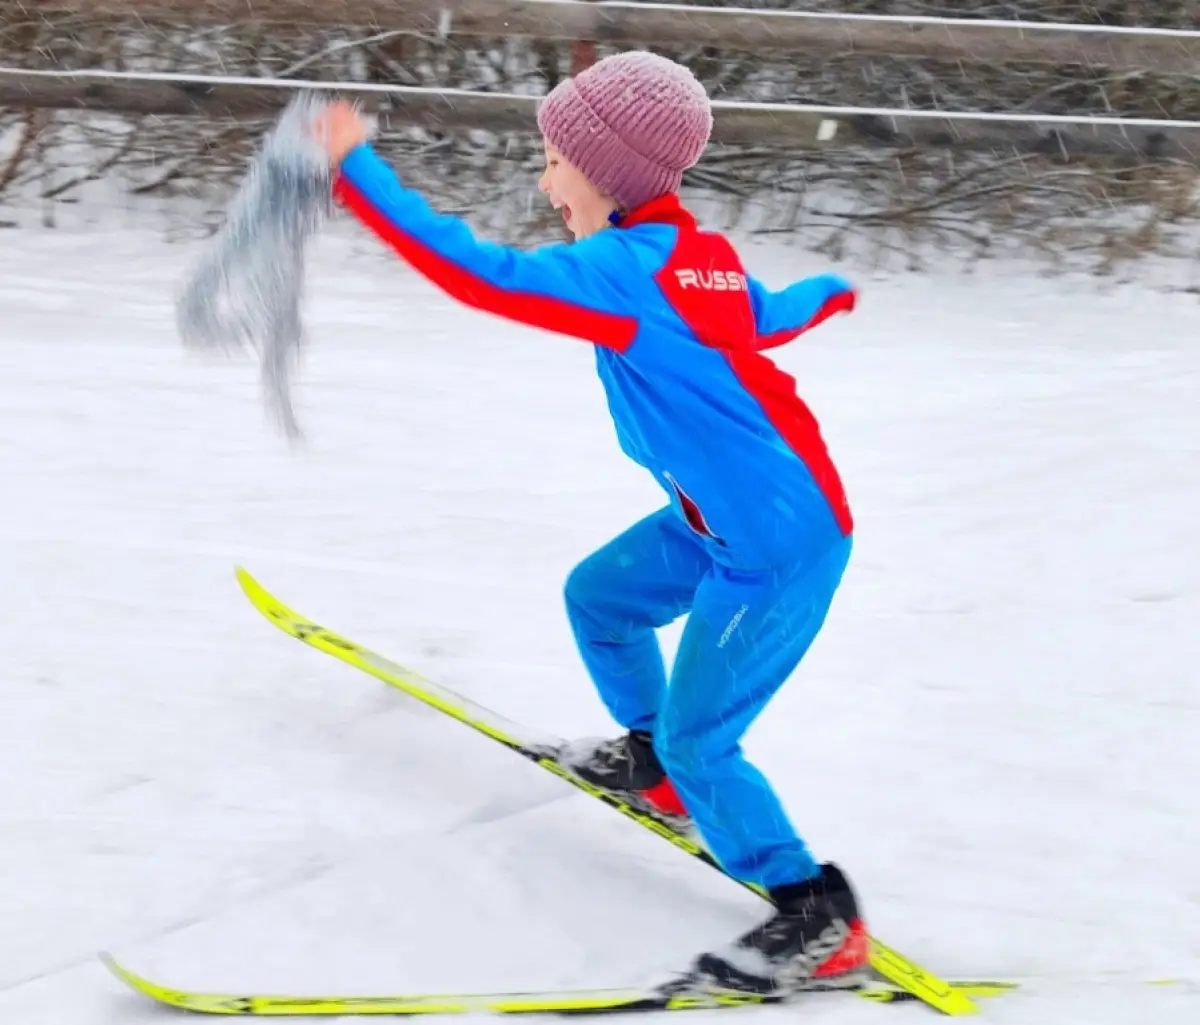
890,194
628,23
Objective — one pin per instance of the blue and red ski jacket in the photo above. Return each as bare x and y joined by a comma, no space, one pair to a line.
678,328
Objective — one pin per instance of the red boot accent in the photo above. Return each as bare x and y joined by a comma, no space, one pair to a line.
853,954
663,797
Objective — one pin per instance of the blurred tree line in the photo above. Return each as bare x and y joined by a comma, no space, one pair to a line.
900,201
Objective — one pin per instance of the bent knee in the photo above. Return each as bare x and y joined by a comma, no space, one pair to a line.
586,583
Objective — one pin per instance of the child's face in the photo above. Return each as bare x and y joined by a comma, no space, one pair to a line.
584,207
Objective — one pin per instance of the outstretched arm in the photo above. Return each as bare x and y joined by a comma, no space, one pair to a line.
781,316
561,288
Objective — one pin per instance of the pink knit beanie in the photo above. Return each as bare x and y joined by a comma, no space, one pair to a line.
632,123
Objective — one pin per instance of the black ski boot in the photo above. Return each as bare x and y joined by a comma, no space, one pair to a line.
627,766
816,939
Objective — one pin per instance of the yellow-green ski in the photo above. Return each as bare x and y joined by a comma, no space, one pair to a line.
550,1002
541,749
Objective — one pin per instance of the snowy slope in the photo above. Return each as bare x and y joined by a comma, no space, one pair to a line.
998,733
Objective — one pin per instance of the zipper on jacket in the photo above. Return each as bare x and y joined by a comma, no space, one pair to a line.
692,512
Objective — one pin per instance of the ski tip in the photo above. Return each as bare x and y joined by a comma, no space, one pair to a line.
259,596
287,619
185,1000
110,962
121,972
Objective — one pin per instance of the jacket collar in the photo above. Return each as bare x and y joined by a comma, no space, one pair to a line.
664,210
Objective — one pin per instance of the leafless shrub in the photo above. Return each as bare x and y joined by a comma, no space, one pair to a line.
898,202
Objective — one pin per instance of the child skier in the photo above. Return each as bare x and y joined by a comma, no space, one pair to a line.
757,531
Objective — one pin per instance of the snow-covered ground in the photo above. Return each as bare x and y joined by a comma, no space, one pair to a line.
998,733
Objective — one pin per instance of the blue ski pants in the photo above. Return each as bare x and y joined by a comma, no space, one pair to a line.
746,632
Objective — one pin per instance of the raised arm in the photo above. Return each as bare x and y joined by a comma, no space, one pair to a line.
561,288
781,316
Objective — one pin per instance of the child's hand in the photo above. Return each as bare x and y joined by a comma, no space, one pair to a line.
339,128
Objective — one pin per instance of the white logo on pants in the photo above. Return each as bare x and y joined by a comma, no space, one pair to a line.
733,625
